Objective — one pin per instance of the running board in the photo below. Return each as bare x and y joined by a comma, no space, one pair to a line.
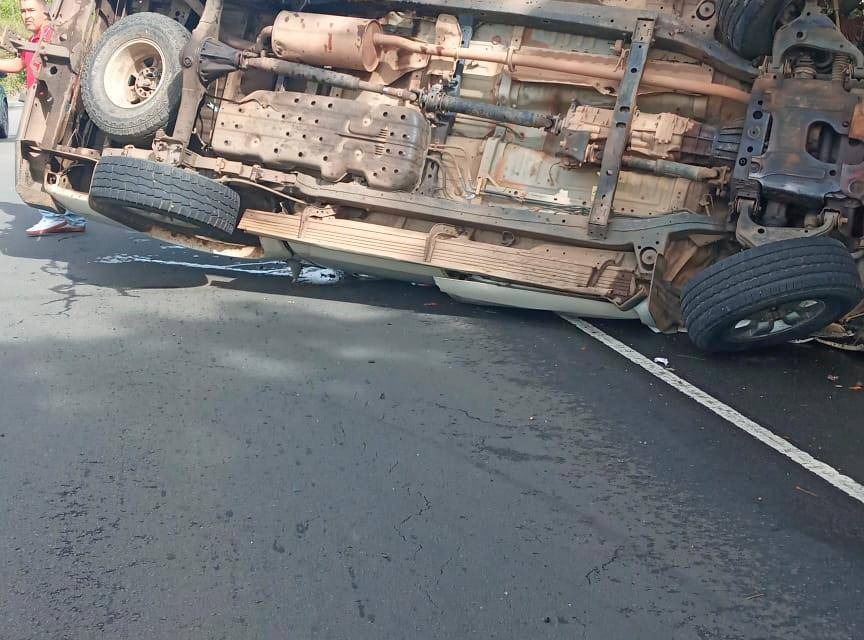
598,273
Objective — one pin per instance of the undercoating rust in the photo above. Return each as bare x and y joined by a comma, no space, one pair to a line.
666,136
334,137
481,147
617,140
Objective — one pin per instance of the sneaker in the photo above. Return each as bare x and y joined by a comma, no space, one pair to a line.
45,227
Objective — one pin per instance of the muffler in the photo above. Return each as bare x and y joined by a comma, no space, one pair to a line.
327,41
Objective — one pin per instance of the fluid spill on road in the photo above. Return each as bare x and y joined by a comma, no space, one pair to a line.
308,274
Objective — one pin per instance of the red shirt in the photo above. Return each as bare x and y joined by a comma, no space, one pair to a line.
33,62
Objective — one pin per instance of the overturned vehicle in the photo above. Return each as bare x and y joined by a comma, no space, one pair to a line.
695,164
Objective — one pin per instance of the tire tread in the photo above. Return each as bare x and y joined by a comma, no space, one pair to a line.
770,274
166,190
741,25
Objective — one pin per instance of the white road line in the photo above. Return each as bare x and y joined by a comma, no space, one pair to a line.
829,474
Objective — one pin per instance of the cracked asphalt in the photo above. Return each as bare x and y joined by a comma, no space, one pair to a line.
196,453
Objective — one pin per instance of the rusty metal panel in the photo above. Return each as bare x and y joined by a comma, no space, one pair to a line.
537,178
384,144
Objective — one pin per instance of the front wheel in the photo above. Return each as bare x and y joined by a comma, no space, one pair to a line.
771,294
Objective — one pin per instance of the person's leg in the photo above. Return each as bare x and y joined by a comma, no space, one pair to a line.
52,222
75,221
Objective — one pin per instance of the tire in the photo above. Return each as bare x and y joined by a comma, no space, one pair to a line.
114,94
747,26
809,282
155,188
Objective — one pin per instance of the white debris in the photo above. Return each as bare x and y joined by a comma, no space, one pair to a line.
320,275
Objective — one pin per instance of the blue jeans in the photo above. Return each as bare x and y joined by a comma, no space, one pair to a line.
70,218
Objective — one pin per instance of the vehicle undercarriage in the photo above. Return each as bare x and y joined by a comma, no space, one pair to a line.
651,160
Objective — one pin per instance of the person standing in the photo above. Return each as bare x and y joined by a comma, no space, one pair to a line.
35,15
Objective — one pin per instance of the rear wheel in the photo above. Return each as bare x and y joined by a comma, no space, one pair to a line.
170,193
132,82
771,294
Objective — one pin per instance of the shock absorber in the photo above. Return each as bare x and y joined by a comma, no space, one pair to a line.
805,67
840,66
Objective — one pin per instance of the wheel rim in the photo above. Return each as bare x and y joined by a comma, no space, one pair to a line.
776,321
134,73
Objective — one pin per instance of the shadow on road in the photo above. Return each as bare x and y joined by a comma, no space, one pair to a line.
80,252
91,258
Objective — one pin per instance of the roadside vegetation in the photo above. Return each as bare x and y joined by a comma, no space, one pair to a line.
10,16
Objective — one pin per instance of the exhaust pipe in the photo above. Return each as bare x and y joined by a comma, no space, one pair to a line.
359,43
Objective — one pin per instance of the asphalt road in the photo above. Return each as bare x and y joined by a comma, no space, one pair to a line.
197,452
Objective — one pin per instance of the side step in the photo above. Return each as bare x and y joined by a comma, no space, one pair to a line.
598,273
